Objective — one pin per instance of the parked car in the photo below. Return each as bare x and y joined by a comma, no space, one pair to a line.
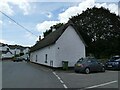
88,65
113,63
114,58
18,59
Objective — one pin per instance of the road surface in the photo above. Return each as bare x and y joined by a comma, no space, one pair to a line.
26,75
29,75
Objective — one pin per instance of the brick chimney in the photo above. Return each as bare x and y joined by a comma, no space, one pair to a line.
39,38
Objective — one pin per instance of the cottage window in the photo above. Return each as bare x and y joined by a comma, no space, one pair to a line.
45,58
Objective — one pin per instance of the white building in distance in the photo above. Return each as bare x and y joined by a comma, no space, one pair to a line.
9,51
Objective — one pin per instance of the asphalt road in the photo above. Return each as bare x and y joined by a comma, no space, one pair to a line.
28,75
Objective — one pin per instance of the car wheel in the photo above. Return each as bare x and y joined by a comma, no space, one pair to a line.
103,69
87,70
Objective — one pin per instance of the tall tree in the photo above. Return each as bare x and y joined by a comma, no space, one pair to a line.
101,31
99,28
52,28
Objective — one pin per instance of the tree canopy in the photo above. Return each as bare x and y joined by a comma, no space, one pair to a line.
52,28
100,29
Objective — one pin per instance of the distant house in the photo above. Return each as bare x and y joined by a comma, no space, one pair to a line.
7,55
8,51
26,53
16,50
5,51
4,47
64,44
26,50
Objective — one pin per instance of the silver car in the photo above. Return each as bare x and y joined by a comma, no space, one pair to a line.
88,65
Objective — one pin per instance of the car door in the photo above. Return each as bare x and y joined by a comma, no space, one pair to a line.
95,65
98,65
92,65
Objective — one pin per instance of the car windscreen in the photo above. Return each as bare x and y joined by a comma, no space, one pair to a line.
82,60
114,58
118,60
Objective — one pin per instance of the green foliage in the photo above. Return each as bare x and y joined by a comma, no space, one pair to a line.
21,54
47,32
100,30
54,27
17,55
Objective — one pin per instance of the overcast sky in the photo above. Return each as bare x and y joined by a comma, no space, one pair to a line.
39,15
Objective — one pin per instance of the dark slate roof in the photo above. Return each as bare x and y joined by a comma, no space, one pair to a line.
53,37
12,46
5,52
17,47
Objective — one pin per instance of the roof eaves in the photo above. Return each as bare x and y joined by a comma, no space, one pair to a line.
36,49
51,36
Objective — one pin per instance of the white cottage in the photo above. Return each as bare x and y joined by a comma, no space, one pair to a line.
5,51
6,55
64,44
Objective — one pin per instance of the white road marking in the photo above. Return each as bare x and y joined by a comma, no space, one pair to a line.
65,86
60,80
101,84
54,73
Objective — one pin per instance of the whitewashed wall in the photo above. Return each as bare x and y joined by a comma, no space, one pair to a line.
12,51
26,50
0,48
50,51
7,55
69,47
17,51
4,48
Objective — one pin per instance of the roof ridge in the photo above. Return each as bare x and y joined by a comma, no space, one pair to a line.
53,37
